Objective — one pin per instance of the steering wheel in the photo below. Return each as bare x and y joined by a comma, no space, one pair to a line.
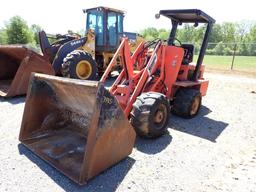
175,39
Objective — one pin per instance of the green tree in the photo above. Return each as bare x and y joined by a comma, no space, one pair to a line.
252,37
199,33
219,49
35,30
221,40
18,31
252,33
3,36
242,29
186,34
163,34
229,32
215,36
150,33
244,49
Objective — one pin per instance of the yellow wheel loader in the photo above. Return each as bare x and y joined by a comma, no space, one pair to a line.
70,55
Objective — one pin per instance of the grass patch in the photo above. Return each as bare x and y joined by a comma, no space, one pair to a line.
243,63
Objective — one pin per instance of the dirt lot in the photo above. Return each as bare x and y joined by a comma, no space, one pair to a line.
216,151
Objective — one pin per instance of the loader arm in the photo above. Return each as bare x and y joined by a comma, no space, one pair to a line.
45,46
124,88
156,71
50,50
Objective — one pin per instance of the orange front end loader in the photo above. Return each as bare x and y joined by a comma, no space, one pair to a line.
82,127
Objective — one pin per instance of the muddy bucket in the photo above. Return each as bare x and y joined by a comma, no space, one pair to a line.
76,126
16,65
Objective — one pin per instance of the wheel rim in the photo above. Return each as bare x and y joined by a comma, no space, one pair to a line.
83,70
195,106
160,116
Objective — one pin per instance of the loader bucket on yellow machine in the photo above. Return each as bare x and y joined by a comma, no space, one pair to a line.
76,126
16,65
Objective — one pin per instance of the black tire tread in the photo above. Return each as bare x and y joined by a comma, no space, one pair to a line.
72,59
183,102
141,114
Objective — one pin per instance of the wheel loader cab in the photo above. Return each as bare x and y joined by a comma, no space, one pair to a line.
108,26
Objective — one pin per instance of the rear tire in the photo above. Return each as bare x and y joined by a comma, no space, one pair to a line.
79,65
150,115
187,103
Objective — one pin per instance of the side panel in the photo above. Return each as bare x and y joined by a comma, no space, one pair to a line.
204,87
173,57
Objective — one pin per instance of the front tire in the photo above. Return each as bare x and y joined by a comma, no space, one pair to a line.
79,65
150,115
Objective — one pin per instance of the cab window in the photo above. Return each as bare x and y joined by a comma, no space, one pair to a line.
120,23
95,21
112,28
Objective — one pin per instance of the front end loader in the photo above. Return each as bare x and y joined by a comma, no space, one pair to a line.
84,127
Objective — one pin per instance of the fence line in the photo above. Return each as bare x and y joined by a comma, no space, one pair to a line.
234,55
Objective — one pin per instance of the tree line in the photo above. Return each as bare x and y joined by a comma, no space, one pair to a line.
17,31
223,40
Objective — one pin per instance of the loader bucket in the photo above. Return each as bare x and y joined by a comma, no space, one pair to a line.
76,126
16,64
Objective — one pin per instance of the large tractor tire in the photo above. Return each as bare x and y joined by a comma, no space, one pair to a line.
79,65
150,115
187,103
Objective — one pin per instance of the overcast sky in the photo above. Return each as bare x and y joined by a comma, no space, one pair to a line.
57,16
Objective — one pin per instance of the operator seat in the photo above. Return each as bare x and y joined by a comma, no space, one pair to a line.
188,53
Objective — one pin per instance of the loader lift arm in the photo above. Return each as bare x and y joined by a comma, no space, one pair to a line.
127,89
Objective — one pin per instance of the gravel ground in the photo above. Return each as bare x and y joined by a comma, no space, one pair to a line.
216,151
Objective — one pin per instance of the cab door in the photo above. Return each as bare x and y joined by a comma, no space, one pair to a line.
114,29
95,20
